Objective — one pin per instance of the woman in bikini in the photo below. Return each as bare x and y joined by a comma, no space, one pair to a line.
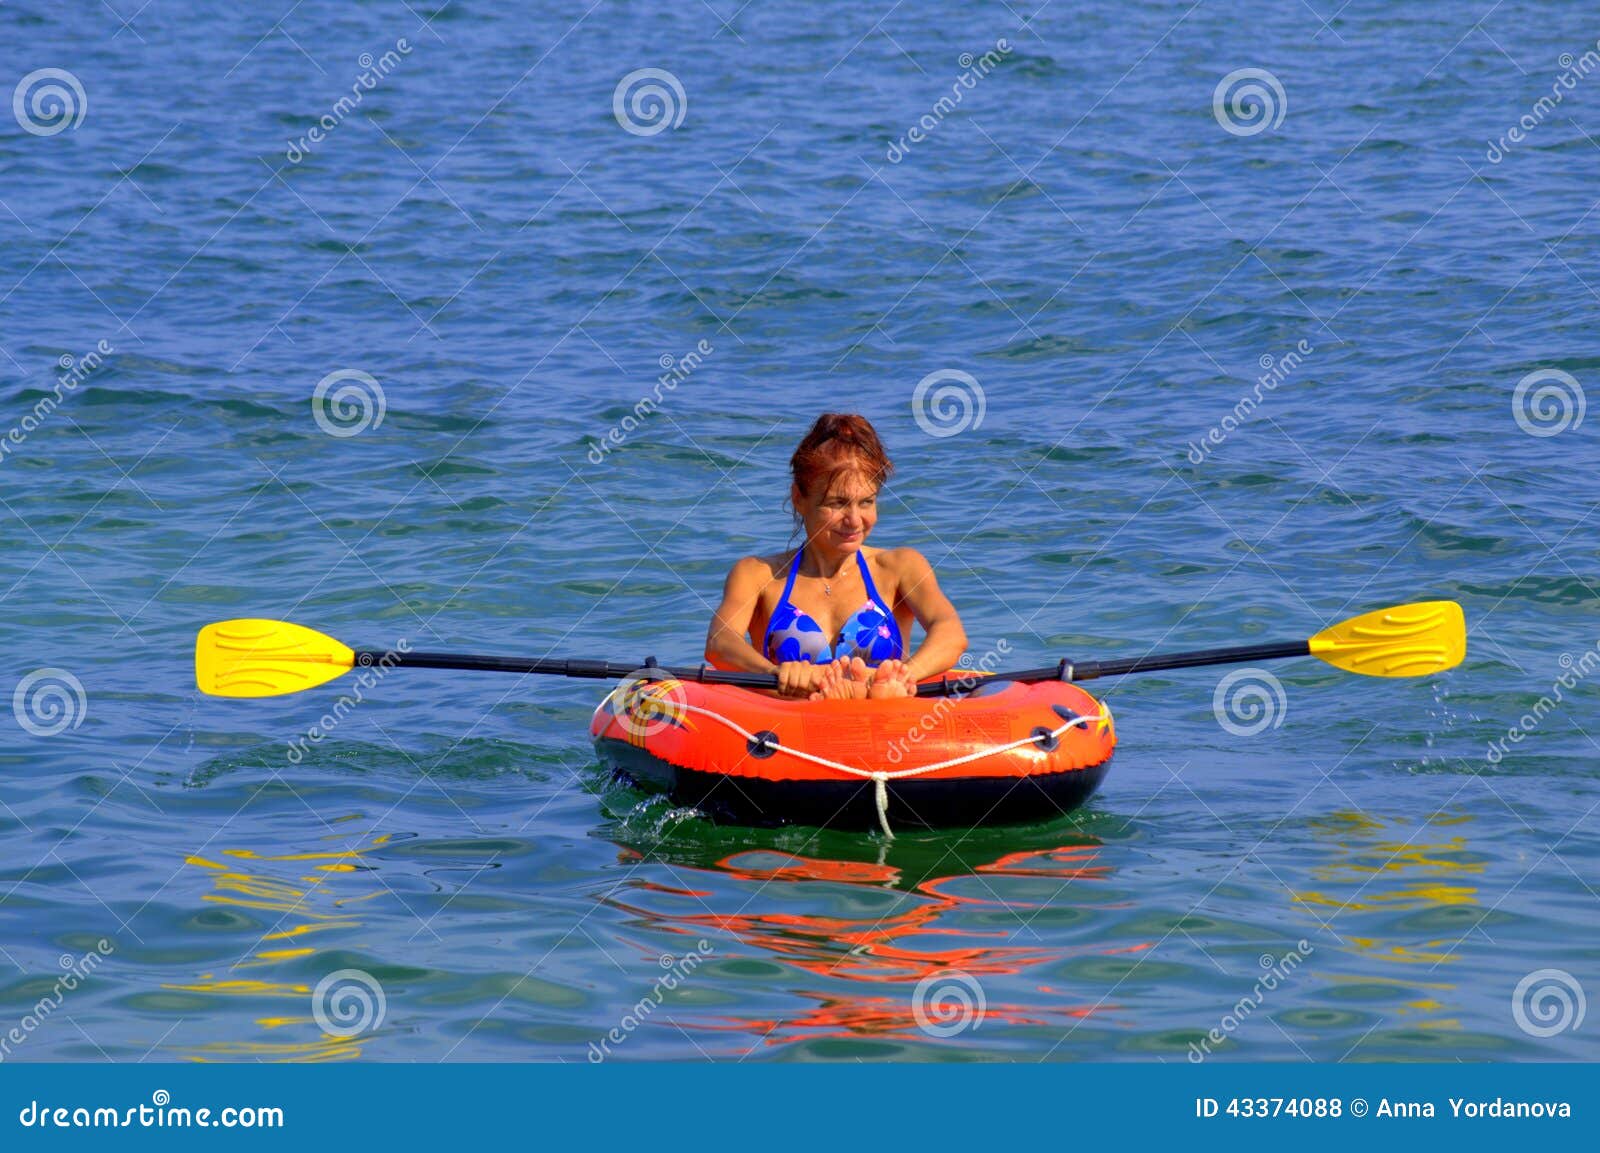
791,612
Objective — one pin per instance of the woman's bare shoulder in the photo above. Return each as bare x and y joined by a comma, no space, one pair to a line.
902,561
758,569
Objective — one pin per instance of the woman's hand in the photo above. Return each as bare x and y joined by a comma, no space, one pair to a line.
799,678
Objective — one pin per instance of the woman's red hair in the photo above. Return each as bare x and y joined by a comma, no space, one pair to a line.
839,443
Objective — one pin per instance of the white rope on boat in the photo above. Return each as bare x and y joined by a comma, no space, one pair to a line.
880,797
879,777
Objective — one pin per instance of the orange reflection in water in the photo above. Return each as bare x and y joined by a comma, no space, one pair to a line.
884,1017
891,950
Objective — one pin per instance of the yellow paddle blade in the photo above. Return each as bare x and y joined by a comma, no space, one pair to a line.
259,658
1405,641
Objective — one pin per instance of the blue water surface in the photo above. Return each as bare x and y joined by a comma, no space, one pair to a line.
1185,324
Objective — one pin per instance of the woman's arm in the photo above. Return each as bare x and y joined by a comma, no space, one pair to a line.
727,643
946,640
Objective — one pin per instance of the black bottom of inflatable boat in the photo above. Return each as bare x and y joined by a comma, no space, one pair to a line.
848,804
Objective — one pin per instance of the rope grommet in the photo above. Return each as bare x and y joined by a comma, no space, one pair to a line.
763,744
1045,739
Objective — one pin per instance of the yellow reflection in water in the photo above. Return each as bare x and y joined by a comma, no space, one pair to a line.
1406,897
209,983
326,1049
1385,874
305,904
1378,869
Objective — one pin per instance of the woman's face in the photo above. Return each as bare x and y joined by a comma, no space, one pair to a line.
839,519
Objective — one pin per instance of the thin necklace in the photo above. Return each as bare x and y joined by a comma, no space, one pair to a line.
827,585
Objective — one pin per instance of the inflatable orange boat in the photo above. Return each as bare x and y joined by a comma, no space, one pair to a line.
1002,754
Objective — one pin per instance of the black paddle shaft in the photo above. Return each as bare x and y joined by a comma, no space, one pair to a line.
950,686
589,670
1156,662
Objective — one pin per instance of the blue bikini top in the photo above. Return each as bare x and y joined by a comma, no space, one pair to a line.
871,634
